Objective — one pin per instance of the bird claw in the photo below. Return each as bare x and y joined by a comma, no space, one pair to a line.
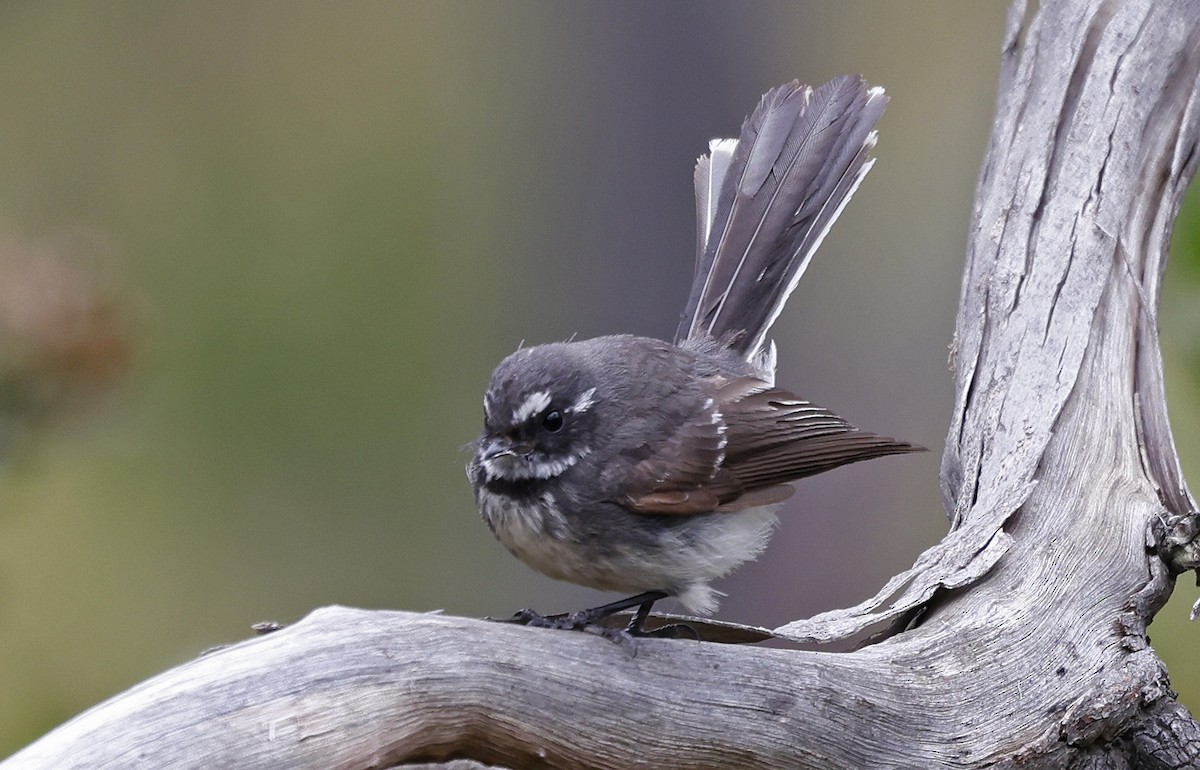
587,621
590,620
531,618
575,621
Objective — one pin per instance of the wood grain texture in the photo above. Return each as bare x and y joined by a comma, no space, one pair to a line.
1020,640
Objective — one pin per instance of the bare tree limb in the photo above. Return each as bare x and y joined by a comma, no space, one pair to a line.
1018,640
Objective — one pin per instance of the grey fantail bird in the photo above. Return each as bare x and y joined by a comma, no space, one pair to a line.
632,464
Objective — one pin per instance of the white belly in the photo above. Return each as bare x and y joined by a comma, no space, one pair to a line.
680,561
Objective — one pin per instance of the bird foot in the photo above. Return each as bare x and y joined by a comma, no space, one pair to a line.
534,619
589,621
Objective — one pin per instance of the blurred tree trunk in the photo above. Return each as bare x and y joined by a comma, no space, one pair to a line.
1020,639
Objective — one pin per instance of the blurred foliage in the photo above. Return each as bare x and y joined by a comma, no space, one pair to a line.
284,191
306,232
61,338
1173,635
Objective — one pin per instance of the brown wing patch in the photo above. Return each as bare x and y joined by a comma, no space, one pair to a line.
684,475
757,497
679,501
775,437
743,447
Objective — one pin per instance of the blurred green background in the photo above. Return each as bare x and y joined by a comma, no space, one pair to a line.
292,239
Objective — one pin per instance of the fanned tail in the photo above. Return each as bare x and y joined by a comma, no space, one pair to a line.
764,205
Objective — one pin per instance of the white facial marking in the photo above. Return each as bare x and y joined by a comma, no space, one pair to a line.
718,419
533,403
525,467
584,402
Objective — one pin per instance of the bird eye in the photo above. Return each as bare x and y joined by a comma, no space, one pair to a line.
552,421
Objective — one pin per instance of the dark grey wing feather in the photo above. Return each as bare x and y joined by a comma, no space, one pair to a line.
739,450
774,437
684,474
799,158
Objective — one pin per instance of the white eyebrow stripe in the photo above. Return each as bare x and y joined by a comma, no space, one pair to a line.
533,403
584,402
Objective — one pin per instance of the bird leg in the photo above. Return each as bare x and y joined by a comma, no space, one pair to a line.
582,620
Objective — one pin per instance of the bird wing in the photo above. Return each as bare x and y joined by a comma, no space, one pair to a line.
775,437
741,450
683,475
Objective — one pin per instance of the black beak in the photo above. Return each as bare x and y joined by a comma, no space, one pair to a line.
493,448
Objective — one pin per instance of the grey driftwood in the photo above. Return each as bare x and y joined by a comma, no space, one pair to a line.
1019,640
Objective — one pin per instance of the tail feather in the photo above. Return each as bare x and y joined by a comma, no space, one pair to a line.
799,158
710,174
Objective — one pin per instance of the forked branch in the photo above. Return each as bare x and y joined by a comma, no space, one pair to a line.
1020,639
